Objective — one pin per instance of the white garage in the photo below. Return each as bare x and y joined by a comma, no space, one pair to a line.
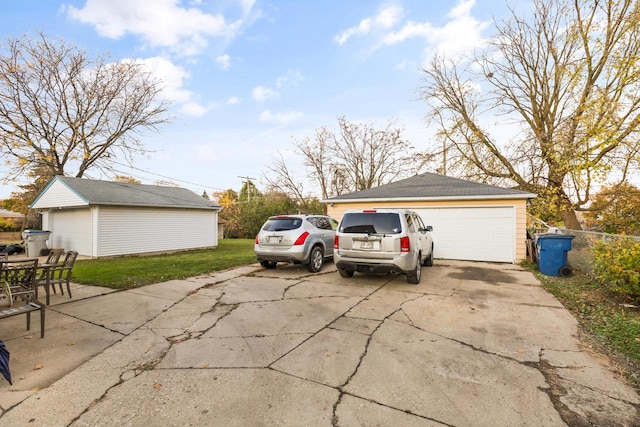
103,218
471,221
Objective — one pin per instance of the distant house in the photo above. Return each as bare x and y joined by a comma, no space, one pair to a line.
17,218
104,218
471,221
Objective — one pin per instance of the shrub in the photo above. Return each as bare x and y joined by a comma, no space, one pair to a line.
617,264
8,225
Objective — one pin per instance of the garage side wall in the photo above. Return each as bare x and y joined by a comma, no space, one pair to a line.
519,205
125,230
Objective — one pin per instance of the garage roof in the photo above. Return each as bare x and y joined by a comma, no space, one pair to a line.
97,192
431,186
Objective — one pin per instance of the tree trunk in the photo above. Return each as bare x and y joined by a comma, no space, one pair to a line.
570,220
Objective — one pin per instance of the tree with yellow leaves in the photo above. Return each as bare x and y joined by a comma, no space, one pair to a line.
565,78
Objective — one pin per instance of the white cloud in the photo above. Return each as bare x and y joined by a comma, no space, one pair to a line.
165,23
224,61
233,100
410,30
247,5
280,118
385,19
172,79
461,32
292,77
194,109
261,93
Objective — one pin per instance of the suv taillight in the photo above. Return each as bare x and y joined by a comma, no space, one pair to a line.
336,242
257,241
404,244
301,239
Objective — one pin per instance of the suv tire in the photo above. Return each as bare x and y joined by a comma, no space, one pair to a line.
428,262
414,275
268,264
316,259
345,273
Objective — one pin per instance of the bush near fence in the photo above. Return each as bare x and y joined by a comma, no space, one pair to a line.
581,255
617,265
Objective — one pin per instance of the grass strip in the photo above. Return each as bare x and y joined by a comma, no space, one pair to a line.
128,272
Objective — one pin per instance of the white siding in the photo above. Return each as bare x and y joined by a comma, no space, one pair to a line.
121,231
473,233
58,195
70,229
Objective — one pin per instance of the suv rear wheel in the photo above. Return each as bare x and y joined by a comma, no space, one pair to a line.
316,259
268,264
413,276
345,273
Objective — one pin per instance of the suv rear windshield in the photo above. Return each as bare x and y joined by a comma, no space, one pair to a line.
371,223
282,224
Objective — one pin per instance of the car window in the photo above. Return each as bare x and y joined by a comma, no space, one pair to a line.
409,218
419,222
322,223
282,224
333,223
368,222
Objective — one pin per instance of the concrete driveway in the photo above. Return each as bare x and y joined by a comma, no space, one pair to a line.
474,344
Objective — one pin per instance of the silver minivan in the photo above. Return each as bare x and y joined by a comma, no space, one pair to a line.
383,241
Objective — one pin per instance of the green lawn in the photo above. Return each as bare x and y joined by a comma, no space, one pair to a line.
134,271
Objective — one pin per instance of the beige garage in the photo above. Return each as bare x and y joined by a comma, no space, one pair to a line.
471,221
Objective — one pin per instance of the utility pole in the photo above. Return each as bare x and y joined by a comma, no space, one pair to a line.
246,181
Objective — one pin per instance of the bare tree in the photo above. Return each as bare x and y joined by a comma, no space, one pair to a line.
569,78
358,157
60,110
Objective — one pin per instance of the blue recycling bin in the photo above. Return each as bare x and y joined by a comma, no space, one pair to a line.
552,251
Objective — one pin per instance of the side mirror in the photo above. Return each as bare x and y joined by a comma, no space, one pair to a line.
429,228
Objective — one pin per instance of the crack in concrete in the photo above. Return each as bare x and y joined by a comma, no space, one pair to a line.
91,322
286,289
406,411
555,391
341,387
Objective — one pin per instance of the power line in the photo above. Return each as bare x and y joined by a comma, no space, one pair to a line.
167,177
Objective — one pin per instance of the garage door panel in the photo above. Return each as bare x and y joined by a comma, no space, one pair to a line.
472,233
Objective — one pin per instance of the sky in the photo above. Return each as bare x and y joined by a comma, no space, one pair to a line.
247,78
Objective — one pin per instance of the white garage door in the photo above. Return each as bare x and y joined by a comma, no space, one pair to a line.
475,234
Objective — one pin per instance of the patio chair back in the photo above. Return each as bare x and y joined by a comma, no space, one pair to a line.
19,282
54,256
62,272
19,279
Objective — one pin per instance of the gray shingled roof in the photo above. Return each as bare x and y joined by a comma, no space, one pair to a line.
431,186
96,192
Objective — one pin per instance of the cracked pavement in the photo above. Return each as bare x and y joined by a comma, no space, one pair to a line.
474,344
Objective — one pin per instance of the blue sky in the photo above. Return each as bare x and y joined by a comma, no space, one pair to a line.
247,77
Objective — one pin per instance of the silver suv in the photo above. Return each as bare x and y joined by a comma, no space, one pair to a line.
383,241
298,239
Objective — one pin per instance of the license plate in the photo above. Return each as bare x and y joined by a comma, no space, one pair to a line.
366,245
274,239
